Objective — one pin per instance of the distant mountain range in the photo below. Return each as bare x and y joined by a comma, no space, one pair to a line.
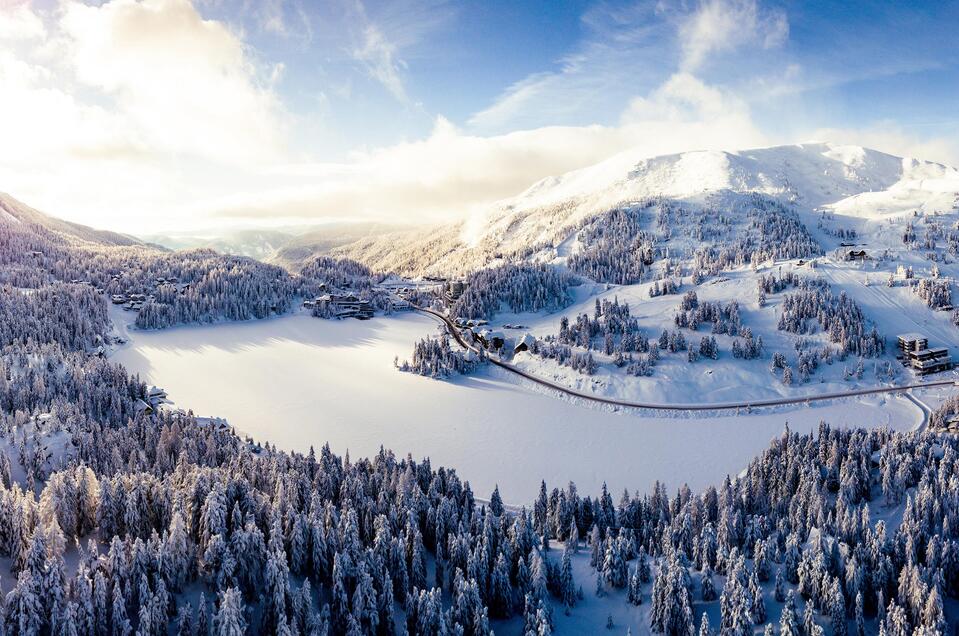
290,247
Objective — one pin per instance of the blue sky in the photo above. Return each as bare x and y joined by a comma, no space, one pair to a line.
836,65
212,112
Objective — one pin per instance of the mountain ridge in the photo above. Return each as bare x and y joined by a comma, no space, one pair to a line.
810,177
12,210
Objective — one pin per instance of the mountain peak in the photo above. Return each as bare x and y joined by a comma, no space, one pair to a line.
812,174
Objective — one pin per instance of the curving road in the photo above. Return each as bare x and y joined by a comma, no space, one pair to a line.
722,406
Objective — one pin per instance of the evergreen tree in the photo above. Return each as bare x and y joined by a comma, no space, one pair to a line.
704,627
496,502
788,620
229,619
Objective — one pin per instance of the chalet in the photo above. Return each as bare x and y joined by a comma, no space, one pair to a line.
491,339
525,343
856,255
142,407
217,424
917,355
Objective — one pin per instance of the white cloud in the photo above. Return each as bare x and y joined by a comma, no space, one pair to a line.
719,26
19,22
130,107
386,33
445,176
379,57
186,84
603,72
452,174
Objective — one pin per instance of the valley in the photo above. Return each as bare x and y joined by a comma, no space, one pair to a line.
811,282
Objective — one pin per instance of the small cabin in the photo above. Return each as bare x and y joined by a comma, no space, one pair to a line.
525,343
856,255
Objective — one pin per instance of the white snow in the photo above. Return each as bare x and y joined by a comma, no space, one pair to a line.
6,216
848,179
297,381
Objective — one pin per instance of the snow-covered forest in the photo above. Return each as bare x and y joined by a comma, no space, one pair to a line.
435,358
516,287
161,521
193,286
838,316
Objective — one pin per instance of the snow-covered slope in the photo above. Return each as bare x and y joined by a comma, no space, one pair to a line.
13,211
807,174
848,179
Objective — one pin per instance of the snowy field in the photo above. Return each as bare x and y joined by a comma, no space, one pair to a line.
298,381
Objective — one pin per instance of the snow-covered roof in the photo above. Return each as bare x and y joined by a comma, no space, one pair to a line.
528,339
911,336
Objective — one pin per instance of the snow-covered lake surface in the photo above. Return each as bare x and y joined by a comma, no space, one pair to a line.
298,381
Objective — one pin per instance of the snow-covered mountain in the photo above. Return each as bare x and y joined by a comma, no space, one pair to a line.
15,212
808,174
849,180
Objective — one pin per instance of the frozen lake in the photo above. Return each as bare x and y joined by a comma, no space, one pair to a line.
298,381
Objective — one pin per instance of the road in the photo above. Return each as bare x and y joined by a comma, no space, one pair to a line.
926,411
722,406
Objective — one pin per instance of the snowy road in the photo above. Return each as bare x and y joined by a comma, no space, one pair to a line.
719,406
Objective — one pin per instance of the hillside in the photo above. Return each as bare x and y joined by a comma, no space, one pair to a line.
321,241
846,179
14,211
